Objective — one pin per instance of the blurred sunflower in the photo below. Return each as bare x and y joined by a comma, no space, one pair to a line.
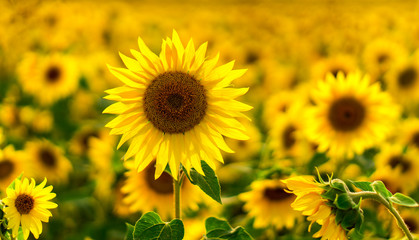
144,193
403,81
287,138
176,107
270,204
80,142
380,54
311,203
408,133
48,161
12,164
401,163
411,218
333,65
1,136
48,78
27,206
349,115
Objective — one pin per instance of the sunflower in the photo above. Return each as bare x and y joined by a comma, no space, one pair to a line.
27,205
48,161
176,107
333,65
12,163
144,193
48,78
401,163
269,203
349,115
403,81
310,202
380,54
287,137
80,142
411,219
409,132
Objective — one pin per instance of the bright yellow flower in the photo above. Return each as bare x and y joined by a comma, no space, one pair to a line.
269,203
27,205
310,202
12,163
349,115
176,107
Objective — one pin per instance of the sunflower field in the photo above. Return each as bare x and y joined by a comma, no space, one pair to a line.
253,119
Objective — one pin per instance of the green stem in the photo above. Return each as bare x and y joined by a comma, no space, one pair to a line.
176,190
376,197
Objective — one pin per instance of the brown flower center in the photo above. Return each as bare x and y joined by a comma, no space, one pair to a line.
288,137
382,58
175,102
162,185
415,139
407,77
24,203
411,224
335,71
346,114
53,74
85,139
6,168
47,157
276,194
396,161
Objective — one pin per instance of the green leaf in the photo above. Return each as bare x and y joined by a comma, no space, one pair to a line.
12,185
20,234
330,194
151,227
220,229
129,235
364,186
344,202
403,200
350,219
381,189
208,183
338,184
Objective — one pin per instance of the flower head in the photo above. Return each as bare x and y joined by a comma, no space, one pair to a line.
27,205
176,107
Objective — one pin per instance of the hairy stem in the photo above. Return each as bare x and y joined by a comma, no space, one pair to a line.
376,197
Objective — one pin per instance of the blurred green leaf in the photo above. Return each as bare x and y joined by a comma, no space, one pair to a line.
208,183
403,200
381,189
151,227
220,229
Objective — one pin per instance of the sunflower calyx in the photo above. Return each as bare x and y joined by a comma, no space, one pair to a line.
348,213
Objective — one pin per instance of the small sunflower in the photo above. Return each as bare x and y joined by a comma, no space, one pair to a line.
333,65
409,132
48,161
401,163
411,219
403,81
269,203
27,205
349,115
12,163
379,56
80,142
176,107
48,78
287,138
144,193
310,202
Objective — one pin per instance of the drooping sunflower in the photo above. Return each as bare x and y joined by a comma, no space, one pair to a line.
27,205
270,204
401,163
403,81
176,107
12,164
310,202
48,78
144,193
48,161
349,115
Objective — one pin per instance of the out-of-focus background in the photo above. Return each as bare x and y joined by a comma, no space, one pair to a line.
53,74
